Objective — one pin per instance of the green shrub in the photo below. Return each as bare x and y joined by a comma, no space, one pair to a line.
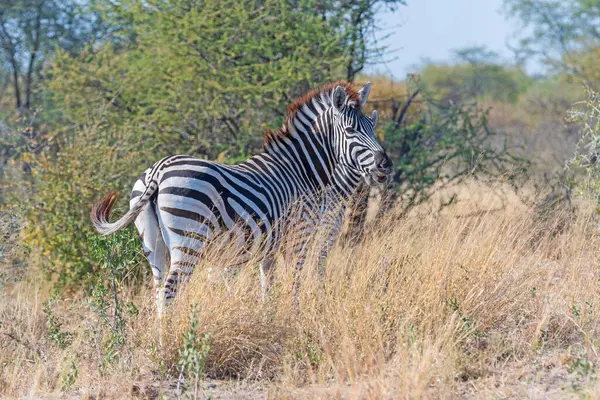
58,197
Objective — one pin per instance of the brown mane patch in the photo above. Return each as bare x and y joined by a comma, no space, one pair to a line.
297,104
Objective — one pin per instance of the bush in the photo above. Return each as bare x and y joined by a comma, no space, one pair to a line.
440,145
58,198
200,80
587,156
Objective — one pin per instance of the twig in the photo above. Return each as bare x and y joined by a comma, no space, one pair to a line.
409,101
179,380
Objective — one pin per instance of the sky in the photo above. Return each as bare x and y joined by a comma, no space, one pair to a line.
432,29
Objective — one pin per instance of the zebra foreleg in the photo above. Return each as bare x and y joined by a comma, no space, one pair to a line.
331,226
296,283
324,252
299,256
296,251
326,238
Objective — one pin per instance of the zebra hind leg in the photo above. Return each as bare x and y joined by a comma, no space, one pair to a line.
155,250
185,255
186,240
179,273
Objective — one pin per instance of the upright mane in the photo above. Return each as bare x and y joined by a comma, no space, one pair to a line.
292,109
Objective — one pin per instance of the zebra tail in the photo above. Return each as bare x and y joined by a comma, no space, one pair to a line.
101,212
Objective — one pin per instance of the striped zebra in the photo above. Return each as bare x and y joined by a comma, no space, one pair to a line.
308,168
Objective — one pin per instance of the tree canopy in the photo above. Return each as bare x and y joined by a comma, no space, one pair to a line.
558,32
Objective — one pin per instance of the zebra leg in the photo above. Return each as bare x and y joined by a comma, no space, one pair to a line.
185,232
332,234
155,249
306,237
296,246
296,283
185,255
266,276
296,255
179,272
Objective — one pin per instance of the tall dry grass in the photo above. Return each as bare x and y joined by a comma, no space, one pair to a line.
428,306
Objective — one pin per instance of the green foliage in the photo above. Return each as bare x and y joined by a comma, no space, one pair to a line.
101,300
559,32
58,196
193,354
582,366
116,259
55,333
118,254
201,79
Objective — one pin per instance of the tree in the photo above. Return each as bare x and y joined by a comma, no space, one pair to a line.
557,31
442,147
201,80
477,55
476,74
30,30
360,25
356,20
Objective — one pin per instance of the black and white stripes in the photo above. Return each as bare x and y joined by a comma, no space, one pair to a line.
307,171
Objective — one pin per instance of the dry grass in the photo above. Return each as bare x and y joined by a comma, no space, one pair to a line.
430,306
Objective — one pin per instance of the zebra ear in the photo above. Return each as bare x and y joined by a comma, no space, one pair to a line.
339,97
375,117
364,93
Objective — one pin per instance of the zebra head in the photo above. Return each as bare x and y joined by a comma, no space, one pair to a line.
354,133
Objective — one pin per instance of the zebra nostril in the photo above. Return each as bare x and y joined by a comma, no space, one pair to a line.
382,161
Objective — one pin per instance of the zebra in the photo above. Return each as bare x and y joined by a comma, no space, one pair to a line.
315,161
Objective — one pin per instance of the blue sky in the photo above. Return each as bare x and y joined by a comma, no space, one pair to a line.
432,29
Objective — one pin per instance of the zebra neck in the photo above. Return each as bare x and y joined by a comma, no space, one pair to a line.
313,171
306,160
305,142
345,181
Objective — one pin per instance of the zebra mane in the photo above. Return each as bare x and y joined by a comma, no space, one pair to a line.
292,109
